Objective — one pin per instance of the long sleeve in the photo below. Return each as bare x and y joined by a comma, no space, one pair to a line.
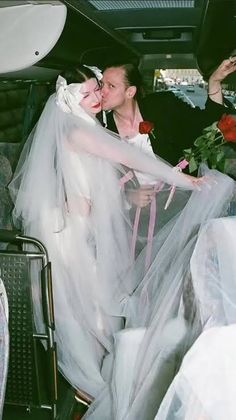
102,143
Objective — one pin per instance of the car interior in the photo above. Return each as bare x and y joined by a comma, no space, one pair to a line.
41,38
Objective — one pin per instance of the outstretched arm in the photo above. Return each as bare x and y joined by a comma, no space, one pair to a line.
104,144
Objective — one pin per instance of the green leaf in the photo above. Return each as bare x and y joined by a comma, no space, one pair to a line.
188,151
221,165
220,156
199,140
192,165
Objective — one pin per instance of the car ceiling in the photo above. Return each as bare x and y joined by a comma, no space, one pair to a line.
164,33
155,33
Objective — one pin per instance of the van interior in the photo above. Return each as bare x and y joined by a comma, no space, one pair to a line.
41,38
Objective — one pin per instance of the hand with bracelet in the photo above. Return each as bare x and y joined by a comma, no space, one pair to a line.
214,84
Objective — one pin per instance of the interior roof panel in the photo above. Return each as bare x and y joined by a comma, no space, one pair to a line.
161,17
141,4
95,29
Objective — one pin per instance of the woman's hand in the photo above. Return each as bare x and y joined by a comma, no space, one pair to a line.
197,182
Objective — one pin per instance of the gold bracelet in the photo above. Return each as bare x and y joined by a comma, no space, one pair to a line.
214,93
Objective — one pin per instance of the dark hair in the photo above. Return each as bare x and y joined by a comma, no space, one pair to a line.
78,75
132,76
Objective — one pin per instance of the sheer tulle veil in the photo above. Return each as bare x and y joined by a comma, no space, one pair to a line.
163,313
53,187
67,194
205,385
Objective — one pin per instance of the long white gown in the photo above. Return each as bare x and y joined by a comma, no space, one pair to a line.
204,388
67,194
138,393
160,305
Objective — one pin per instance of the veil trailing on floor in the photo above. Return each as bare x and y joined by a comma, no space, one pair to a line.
67,194
205,385
204,388
162,315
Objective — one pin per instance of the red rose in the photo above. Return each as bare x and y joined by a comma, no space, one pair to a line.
227,126
146,127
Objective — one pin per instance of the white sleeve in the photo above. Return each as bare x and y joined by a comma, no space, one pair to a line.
102,143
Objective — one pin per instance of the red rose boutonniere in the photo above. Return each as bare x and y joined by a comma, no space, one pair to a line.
210,146
146,127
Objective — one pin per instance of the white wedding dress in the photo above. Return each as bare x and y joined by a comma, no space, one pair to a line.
204,388
66,192
160,306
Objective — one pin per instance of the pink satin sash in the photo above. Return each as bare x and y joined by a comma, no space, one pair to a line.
153,213
151,227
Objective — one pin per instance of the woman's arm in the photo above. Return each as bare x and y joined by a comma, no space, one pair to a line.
104,144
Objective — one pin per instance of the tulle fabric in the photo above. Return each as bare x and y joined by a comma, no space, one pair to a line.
130,341
67,194
205,385
214,278
204,388
166,306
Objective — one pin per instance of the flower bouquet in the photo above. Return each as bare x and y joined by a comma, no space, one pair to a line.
215,147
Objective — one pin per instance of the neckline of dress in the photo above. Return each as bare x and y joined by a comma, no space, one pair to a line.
134,137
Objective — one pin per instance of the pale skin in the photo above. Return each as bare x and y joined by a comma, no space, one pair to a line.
92,104
120,97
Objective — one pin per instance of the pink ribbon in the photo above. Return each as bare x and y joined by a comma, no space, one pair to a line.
127,177
181,165
152,220
153,214
135,232
151,227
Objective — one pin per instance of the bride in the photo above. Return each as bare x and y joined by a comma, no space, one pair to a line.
67,194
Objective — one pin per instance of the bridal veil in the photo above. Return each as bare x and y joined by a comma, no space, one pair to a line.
67,194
